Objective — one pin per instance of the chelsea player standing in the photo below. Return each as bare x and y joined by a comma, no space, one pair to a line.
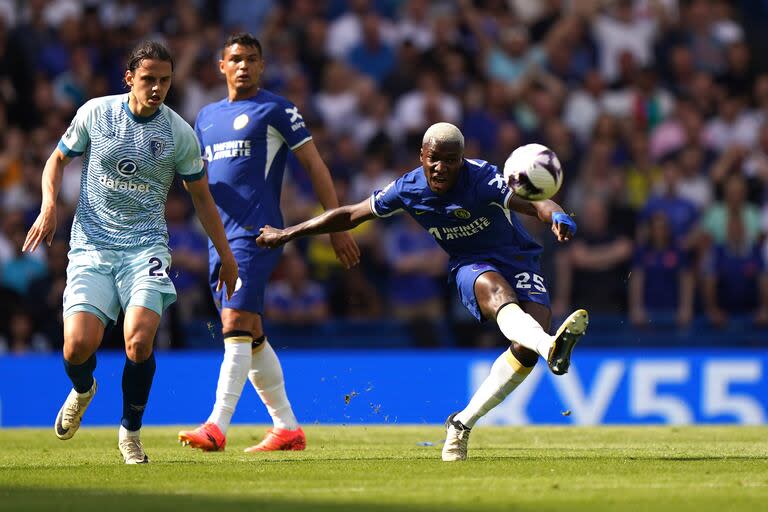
466,205
132,147
246,138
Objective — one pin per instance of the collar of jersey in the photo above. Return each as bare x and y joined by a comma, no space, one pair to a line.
140,119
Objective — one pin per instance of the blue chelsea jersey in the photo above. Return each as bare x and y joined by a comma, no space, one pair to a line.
470,221
246,143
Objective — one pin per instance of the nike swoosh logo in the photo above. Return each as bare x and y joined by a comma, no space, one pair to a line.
206,128
535,293
212,440
420,212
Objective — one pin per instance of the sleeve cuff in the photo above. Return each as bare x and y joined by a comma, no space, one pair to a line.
373,205
193,177
70,153
301,143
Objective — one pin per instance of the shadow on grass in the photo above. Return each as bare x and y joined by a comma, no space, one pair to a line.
64,500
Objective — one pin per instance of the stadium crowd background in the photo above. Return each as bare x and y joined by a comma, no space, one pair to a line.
657,109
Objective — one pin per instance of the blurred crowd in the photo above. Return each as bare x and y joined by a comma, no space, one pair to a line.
657,109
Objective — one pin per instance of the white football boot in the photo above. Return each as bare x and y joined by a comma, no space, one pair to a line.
70,414
456,439
569,333
132,451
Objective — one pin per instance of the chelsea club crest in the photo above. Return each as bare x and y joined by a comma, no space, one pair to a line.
157,146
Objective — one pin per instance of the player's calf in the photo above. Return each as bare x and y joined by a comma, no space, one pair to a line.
71,413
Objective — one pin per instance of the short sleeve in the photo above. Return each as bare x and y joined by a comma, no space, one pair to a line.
387,201
189,164
75,140
492,187
286,119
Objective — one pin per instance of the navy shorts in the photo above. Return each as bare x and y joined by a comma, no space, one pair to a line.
254,265
524,276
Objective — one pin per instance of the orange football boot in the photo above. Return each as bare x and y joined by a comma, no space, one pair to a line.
207,437
280,439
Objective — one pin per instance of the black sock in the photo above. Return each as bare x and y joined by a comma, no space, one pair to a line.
137,381
81,375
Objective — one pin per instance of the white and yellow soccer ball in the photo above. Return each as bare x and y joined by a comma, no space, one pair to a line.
533,172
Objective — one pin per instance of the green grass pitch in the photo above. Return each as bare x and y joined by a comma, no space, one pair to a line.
388,469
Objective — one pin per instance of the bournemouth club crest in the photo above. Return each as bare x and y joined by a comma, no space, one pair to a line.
157,146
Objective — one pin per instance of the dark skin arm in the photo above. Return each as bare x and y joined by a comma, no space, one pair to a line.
543,210
337,219
349,217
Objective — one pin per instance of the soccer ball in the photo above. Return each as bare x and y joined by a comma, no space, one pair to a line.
533,172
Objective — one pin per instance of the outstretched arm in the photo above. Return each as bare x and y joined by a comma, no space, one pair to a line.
344,245
332,221
547,211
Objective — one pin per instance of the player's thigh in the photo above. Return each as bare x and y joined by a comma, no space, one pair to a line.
142,279
90,301
140,326
255,265
483,290
83,332
493,291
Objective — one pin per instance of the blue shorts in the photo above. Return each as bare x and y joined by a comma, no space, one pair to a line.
524,276
254,265
102,282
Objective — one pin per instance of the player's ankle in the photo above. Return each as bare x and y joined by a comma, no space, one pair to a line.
124,433
544,346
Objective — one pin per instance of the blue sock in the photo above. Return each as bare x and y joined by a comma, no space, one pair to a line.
137,380
81,375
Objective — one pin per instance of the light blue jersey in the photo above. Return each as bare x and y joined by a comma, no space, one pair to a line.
129,163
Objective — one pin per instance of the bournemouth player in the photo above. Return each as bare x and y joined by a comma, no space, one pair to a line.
132,147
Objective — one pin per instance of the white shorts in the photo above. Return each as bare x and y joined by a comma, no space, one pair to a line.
104,281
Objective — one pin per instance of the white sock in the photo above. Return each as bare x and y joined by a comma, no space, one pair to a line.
506,374
124,433
519,326
266,375
234,369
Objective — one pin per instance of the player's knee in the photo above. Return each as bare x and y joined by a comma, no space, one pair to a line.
78,347
76,353
527,357
137,351
234,320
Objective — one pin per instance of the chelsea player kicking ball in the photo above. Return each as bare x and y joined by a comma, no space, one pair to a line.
533,172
